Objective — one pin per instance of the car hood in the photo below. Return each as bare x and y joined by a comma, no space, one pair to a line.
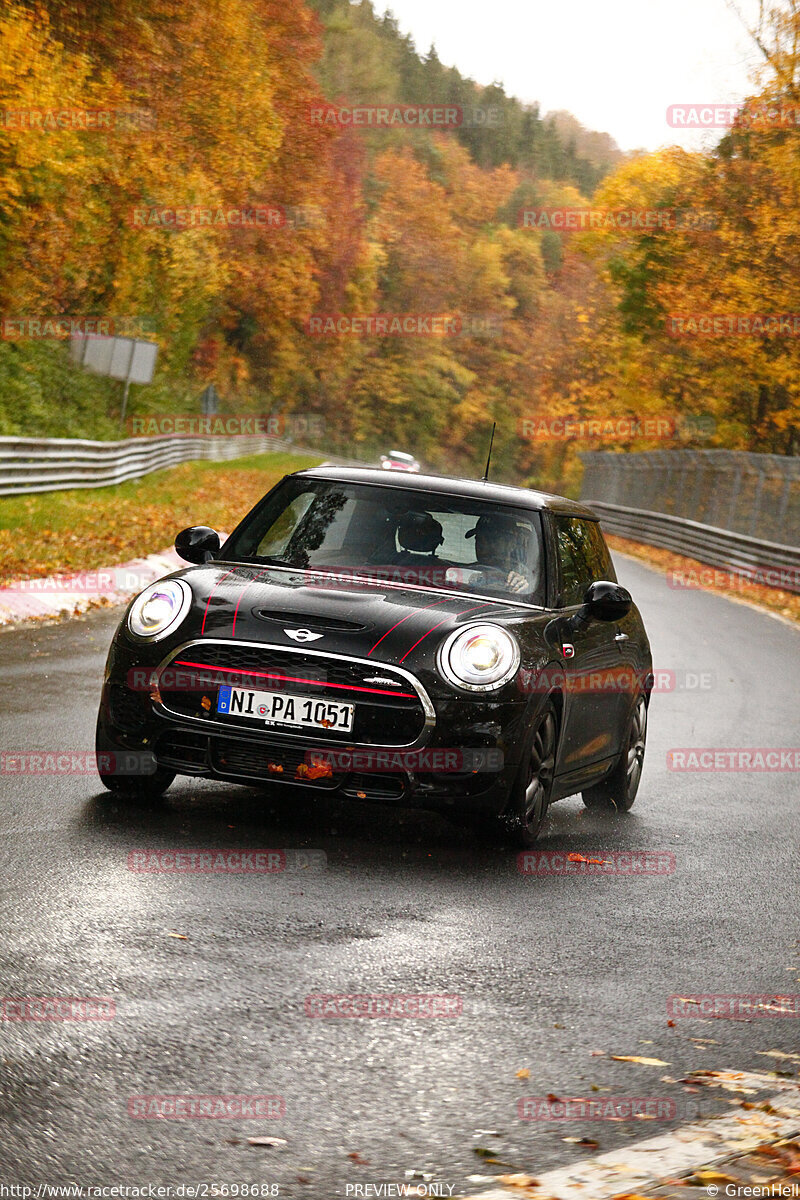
247,603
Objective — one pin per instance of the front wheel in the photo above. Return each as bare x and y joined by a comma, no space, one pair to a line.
134,788
137,789
534,784
618,790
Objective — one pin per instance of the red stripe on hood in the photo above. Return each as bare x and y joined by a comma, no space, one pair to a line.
433,627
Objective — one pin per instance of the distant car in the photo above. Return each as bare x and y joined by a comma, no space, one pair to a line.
420,640
397,460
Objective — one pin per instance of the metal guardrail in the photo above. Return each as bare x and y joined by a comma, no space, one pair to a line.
56,464
765,562
753,494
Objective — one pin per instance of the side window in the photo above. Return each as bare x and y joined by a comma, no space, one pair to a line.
582,558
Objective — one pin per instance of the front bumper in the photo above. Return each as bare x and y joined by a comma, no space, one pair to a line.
464,758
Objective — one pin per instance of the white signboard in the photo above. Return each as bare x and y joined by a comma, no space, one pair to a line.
121,352
128,359
143,362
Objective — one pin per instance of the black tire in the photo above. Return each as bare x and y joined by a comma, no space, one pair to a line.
533,786
138,789
617,791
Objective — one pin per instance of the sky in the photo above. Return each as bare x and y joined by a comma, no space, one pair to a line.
616,65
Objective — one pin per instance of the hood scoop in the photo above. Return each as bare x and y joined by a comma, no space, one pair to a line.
307,621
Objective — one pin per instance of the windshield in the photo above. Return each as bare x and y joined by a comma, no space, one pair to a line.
409,537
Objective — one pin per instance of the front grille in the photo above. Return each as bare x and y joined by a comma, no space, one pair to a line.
183,750
384,715
276,763
375,787
198,753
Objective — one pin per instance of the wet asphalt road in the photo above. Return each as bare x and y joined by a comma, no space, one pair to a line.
550,969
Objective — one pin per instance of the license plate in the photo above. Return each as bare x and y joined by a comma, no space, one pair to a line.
282,708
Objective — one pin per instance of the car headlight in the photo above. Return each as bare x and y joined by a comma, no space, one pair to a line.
159,609
479,658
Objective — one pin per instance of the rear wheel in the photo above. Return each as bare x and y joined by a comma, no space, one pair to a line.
534,783
618,791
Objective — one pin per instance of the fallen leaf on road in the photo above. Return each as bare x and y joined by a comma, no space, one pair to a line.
180,936
635,1058
706,1177
580,858
518,1181
524,1073
266,1141
584,1141
727,1080
356,1158
778,1054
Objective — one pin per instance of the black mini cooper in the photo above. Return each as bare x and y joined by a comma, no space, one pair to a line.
413,640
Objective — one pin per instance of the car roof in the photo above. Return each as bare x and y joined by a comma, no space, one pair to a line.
474,489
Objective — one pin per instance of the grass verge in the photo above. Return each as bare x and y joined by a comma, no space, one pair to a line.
725,583
79,530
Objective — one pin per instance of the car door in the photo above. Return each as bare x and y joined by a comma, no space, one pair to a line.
591,655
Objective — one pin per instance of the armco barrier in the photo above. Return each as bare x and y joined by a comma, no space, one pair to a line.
716,547
55,464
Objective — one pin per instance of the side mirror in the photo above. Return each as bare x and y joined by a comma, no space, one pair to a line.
605,601
198,544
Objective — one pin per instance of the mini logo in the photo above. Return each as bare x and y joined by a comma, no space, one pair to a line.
383,679
302,635
569,650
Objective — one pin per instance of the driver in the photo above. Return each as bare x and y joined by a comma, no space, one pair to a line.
497,544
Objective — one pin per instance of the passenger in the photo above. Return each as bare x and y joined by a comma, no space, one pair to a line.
418,534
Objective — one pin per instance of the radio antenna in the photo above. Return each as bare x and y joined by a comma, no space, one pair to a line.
489,455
